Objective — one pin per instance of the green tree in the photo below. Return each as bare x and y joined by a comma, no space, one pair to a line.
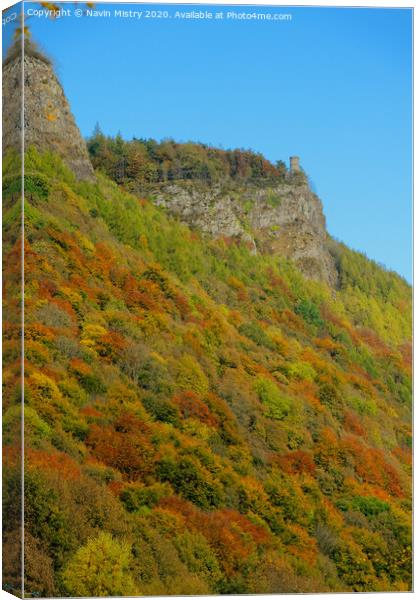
278,405
100,568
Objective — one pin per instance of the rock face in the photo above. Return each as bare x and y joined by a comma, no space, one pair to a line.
286,220
48,121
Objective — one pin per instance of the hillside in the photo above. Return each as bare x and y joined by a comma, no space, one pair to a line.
234,194
207,409
200,418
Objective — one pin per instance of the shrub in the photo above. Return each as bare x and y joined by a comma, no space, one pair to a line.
298,461
134,496
36,185
273,200
255,333
363,406
88,379
195,552
100,568
147,372
53,316
125,447
300,370
330,396
33,423
269,394
190,375
189,480
191,407
161,409
370,506
309,312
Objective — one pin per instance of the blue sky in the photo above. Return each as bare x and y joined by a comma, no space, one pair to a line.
332,85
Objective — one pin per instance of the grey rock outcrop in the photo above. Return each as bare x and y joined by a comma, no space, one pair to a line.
48,121
286,219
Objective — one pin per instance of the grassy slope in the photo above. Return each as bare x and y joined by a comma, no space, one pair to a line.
199,419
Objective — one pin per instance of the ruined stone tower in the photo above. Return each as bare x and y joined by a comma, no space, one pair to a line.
294,164
48,121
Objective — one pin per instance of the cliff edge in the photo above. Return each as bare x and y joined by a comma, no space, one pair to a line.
286,219
48,121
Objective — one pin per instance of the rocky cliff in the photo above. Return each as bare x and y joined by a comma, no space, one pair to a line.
48,121
286,219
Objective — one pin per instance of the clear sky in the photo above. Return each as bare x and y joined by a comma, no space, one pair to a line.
332,85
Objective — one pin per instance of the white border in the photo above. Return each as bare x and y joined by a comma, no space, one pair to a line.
361,4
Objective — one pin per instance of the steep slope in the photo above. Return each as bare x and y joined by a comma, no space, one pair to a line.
286,220
200,418
235,194
222,413
48,122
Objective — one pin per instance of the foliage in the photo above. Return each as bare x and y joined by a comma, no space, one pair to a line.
100,568
278,405
198,419
310,312
142,161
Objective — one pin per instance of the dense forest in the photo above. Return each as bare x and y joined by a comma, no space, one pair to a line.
145,161
198,419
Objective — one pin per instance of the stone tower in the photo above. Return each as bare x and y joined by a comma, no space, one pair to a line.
294,164
48,121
